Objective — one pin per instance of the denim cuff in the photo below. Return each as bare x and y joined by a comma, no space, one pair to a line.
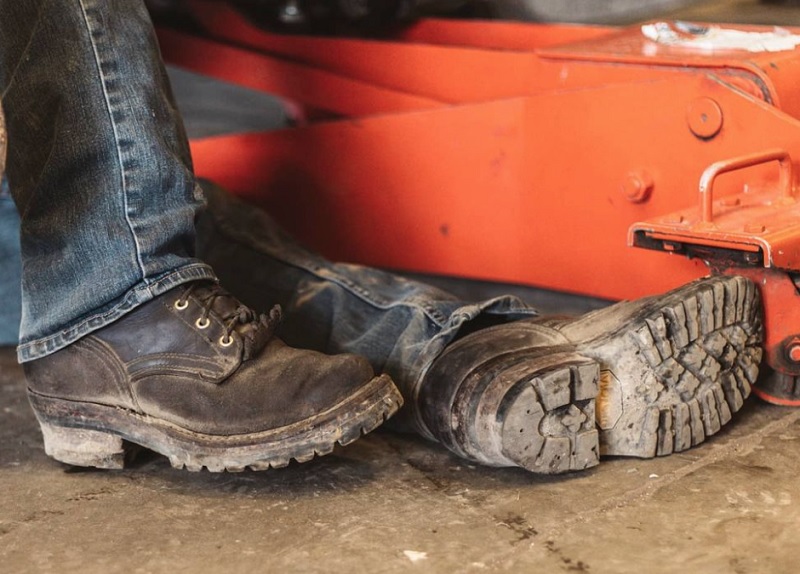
498,310
138,295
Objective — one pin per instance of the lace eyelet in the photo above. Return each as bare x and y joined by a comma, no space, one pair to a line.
202,323
226,341
181,307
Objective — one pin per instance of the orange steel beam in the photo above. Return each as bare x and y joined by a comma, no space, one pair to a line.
525,153
462,71
417,68
317,88
522,37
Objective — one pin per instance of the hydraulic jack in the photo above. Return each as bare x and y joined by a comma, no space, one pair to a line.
528,153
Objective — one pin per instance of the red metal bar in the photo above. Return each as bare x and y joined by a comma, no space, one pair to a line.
493,35
443,74
317,88
728,165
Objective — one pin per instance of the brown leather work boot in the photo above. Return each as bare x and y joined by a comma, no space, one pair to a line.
641,378
200,378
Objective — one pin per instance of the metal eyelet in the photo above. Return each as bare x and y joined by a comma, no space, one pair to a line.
202,323
180,307
226,341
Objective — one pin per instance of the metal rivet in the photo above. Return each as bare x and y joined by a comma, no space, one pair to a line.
704,117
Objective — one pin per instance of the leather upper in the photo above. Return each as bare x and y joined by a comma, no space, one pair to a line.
162,361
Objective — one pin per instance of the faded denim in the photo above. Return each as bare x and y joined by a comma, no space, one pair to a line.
98,166
10,266
108,202
399,325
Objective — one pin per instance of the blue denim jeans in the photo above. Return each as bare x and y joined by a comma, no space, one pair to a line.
10,267
400,325
108,219
98,166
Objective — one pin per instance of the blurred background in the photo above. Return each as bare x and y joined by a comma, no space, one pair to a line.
372,17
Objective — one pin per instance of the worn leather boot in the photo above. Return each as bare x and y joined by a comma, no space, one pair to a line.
200,378
642,378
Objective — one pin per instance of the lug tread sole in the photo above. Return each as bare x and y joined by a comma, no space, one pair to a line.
86,434
548,426
701,349
536,411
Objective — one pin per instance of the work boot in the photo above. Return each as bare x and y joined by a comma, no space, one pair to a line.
200,378
641,378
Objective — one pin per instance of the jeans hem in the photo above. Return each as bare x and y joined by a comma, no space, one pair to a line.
136,296
504,308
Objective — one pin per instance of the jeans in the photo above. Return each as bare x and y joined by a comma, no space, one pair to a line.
128,191
10,267
98,166
399,325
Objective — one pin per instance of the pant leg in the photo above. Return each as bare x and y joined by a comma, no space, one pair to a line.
98,165
401,326
9,269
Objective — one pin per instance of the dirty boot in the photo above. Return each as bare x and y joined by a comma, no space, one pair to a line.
200,378
642,378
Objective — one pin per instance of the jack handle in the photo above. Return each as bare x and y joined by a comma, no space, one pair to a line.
786,183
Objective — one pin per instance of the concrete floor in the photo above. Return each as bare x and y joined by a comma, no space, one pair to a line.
395,503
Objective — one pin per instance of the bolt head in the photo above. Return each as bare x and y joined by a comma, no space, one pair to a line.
637,186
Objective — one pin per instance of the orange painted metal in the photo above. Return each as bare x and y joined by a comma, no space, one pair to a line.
317,88
778,289
523,153
781,300
764,224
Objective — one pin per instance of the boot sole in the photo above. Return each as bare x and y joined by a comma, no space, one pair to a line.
547,426
536,412
674,368
657,376
86,434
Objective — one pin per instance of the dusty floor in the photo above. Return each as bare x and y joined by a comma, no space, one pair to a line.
394,503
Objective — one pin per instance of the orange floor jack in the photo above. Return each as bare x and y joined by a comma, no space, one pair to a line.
524,153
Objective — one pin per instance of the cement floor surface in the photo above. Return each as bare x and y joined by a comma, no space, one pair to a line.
396,503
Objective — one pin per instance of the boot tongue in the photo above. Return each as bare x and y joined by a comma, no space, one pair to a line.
255,329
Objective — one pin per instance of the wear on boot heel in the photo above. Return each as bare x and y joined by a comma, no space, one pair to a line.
83,447
497,398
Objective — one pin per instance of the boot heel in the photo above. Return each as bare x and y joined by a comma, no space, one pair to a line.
83,447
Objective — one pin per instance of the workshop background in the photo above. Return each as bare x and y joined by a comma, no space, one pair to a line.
396,503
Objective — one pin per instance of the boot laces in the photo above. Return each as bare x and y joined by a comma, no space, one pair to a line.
234,315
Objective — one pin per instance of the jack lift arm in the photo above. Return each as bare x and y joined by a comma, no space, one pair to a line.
527,153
